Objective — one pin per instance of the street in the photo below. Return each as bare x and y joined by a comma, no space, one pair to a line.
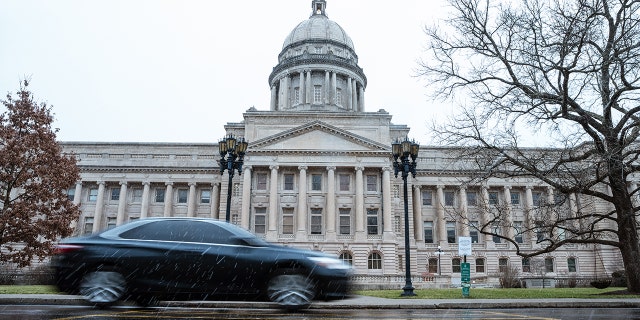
79,312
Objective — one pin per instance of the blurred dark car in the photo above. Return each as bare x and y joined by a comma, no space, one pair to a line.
193,259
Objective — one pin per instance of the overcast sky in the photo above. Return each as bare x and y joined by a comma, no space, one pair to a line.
178,71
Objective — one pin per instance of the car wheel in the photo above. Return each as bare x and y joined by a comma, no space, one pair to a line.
103,287
291,290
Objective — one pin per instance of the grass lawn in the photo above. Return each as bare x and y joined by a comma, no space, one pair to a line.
549,293
37,289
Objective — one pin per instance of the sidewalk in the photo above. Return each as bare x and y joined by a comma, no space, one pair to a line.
357,302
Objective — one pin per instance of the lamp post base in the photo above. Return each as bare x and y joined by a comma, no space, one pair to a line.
408,291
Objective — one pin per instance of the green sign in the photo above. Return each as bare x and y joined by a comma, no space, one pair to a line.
465,278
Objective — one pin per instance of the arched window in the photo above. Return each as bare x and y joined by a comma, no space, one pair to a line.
346,257
374,261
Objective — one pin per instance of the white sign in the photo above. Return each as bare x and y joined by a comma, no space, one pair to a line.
464,246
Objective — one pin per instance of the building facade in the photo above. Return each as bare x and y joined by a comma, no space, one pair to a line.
318,175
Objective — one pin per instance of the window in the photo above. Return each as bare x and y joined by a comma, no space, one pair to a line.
496,234
236,189
296,95
345,221
205,196
345,182
428,231
346,257
181,231
536,196
115,194
288,182
493,198
317,94
316,182
372,183
433,265
71,193
372,221
88,225
473,231
318,50
260,221
517,226
374,261
472,198
316,220
455,265
338,97
427,198
111,222
515,198
571,264
159,195
183,195
502,264
261,181
539,231
526,265
287,220
548,264
449,198
136,195
451,232
93,195
480,265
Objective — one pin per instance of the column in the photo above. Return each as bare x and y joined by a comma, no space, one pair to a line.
486,215
354,95
215,201
360,218
301,88
464,211
287,88
308,94
78,193
302,204
442,222
281,94
331,203
333,88
417,214
274,98
246,198
508,219
274,212
361,104
349,92
191,203
122,204
387,215
144,206
98,214
326,90
528,211
168,199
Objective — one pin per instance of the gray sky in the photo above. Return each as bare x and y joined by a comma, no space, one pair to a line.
178,71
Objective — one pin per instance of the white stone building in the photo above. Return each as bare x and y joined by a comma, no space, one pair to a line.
318,175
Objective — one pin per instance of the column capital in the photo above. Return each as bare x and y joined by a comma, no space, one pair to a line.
123,183
528,187
507,187
417,187
274,167
440,186
215,184
169,183
303,167
359,168
146,183
387,168
247,168
193,184
101,182
331,168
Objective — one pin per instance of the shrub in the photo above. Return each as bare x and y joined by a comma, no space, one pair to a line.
601,283
510,278
618,279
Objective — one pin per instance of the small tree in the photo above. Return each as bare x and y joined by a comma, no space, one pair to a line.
34,176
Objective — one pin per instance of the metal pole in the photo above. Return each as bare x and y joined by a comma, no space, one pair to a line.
408,287
228,214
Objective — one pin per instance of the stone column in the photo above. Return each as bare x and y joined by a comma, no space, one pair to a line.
191,203
417,213
508,218
387,215
246,198
349,93
309,82
354,95
122,204
215,201
302,204
301,88
465,212
274,98
272,232
78,193
287,89
528,211
99,212
281,100
442,221
334,88
360,216
144,206
361,104
486,215
326,90
168,199
331,203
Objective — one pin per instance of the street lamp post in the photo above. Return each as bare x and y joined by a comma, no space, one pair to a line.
439,253
404,160
232,152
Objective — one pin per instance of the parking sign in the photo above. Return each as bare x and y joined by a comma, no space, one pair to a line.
464,246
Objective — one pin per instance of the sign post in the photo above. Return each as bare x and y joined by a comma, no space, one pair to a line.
464,249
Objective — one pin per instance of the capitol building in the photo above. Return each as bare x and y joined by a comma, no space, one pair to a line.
318,174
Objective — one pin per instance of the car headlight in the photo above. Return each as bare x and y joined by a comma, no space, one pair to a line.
330,263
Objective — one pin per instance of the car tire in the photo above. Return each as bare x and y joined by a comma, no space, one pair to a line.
290,289
103,287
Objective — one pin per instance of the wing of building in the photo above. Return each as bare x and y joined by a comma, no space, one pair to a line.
318,174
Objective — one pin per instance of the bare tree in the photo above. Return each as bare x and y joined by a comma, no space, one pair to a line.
34,176
567,70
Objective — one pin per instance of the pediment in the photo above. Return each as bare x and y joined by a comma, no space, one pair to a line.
317,136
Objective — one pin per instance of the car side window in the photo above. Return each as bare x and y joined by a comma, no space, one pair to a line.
181,231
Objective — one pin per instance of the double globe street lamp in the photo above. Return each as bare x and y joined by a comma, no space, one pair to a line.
232,152
404,160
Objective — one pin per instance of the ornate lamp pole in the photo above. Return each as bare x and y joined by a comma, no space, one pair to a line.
404,160
439,253
232,153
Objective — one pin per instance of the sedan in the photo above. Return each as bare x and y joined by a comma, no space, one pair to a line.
193,259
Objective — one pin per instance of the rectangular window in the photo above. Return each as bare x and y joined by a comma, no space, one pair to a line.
236,189
136,195
296,95
159,195
345,182
317,94
261,181
427,198
526,265
472,198
287,221
372,221
205,196
502,264
183,195
455,265
496,233
288,182
433,265
260,221
345,221
428,231
571,264
539,231
115,194
517,228
93,195
316,220
316,182
71,193
88,225
451,232
473,231
449,198
480,265
111,222
515,198
338,97
548,264
372,183
493,198
536,196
